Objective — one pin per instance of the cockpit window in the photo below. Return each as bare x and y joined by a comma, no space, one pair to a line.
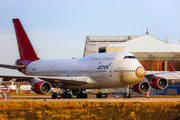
129,57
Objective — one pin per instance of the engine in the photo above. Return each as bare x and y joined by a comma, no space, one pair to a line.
42,87
141,87
159,83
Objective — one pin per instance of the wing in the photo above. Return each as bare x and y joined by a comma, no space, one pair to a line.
164,74
11,66
66,80
149,73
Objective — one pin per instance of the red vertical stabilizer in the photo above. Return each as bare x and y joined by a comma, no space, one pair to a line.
26,50
171,69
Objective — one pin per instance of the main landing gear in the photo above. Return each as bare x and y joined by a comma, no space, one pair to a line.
80,94
56,96
65,94
127,93
101,95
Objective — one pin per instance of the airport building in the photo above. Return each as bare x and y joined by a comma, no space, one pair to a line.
153,53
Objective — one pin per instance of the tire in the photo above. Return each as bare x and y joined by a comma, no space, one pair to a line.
59,96
98,95
68,95
129,96
104,95
54,96
64,95
124,95
78,95
84,95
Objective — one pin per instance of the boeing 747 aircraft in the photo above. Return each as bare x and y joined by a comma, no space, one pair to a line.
97,71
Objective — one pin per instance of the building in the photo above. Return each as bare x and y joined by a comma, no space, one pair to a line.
153,53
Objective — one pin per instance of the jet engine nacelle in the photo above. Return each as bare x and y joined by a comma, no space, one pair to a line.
42,87
159,83
141,87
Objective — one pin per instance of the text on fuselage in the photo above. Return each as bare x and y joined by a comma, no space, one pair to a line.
104,66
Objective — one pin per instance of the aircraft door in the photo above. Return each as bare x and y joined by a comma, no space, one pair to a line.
51,71
91,71
110,71
68,72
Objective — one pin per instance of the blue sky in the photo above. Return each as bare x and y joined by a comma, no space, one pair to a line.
58,28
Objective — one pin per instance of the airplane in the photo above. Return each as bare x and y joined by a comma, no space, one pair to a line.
97,71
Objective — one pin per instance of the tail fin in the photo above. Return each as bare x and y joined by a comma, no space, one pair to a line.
171,68
26,50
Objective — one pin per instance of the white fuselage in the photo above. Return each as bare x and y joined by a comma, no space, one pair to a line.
108,70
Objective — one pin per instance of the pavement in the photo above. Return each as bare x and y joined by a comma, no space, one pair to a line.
90,99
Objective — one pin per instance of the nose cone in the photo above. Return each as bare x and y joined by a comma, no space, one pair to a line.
140,72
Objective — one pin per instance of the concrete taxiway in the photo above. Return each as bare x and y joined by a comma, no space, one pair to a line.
90,99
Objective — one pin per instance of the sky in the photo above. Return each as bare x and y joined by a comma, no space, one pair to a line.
58,28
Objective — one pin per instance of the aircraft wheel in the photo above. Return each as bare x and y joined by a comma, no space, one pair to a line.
124,95
68,95
59,96
54,95
98,95
82,95
104,95
129,96
101,95
78,96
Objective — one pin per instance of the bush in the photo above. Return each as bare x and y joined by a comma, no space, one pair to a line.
35,110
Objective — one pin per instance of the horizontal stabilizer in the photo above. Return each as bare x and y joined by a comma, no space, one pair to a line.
11,66
171,68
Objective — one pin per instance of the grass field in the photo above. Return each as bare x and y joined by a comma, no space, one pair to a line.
26,110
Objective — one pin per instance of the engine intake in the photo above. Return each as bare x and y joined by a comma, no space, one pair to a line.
42,87
159,83
141,87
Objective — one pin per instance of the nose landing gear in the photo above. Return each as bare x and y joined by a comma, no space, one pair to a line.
127,93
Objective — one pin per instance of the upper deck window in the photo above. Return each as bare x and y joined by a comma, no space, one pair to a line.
108,58
129,57
96,58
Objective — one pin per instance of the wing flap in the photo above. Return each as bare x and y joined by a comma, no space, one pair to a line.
65,80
